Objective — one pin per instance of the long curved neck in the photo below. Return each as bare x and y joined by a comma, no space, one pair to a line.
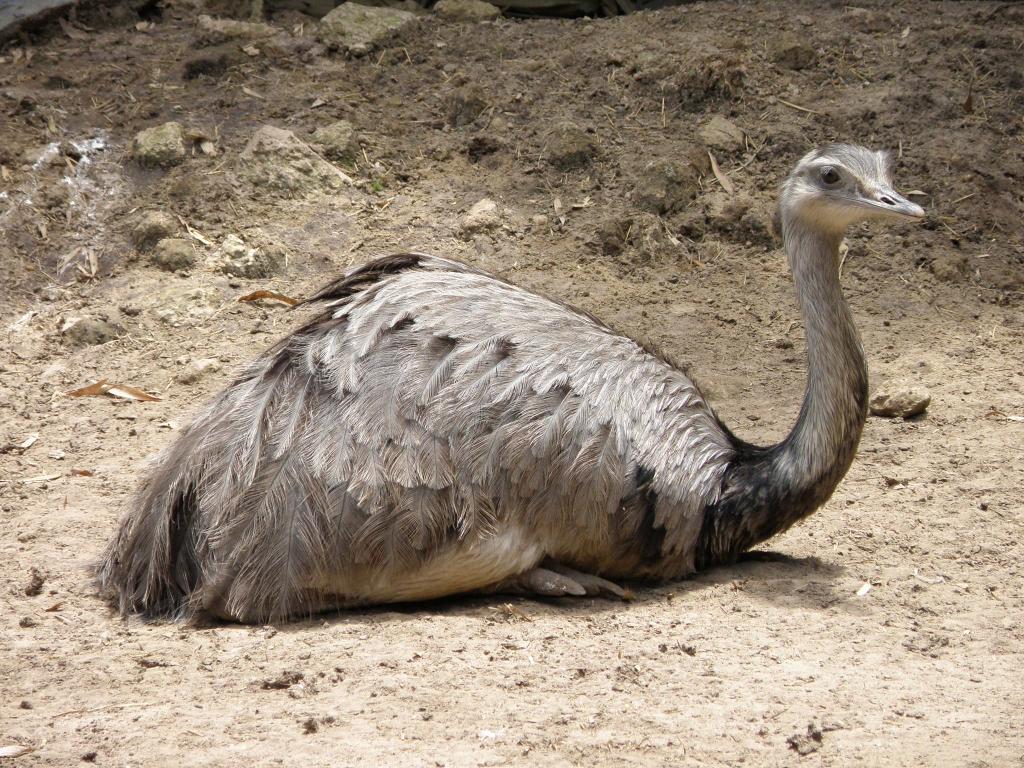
766,490
820,447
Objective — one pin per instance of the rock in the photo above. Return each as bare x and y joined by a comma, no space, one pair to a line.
706,75
197,370
178,304
482,216
466,10
151,227
163,145
666,185
338,141
569,148
807,742
275,160
173,253
897,399
869,21
950,267
359,29
238,259
211,31
722,134
88,331
791,51
403,5
464,105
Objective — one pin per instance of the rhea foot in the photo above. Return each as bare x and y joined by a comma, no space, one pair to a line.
555,580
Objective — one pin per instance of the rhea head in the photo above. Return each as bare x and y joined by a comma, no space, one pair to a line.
838,185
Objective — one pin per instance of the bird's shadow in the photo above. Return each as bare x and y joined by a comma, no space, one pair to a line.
780,579
772,577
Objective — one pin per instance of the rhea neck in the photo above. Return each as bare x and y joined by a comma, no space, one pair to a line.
819,449
766,490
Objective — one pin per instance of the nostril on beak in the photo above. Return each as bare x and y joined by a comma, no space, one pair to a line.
887,200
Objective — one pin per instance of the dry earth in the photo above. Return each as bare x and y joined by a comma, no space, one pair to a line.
780,660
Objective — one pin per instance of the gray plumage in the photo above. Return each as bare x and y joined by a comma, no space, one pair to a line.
437,430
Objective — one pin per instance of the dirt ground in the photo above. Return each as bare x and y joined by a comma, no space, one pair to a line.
885,630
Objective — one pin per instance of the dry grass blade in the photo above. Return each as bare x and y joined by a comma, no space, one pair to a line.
722,178
123,391
797,107
14,750
270,295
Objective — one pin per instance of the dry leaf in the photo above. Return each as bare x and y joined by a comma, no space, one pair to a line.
21,447
14,750
5,174
207,147
272,295
251,50
192,233
250,92
722,178
23,321
102,388
82,473
317,103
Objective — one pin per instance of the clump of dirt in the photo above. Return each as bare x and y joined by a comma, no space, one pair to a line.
570,156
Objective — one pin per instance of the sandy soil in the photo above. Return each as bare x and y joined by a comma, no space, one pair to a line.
781,660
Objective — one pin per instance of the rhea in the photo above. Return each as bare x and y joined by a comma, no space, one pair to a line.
437,430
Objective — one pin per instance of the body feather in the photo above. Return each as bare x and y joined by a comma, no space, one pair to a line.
406,428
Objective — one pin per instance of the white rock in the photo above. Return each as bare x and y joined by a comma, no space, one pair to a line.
466,10
482,216
359,28
722,134
197,369
897,399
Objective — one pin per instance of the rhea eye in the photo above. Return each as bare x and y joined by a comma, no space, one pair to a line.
829,175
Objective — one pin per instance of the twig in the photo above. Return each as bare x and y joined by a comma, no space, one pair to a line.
106,706
797,106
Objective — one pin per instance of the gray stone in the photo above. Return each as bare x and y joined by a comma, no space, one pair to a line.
212,31
150,227
275,160
88,331
338,141
359,28
482,216
162,145
173,253
198,369
466,10
897,399
403,5
569,148
950,267
868,21
790,51
722,134
241,260
666,185
464,105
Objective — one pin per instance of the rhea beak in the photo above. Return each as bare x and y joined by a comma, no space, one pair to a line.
888,202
